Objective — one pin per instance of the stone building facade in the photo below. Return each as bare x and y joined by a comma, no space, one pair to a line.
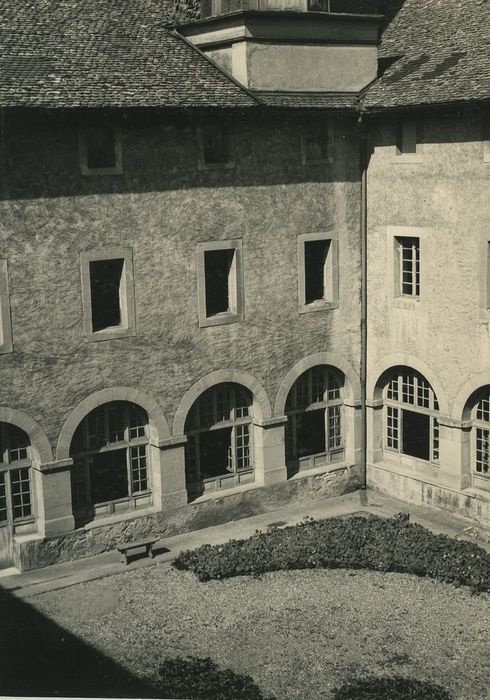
193,241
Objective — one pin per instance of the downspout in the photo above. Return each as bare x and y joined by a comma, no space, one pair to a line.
363,367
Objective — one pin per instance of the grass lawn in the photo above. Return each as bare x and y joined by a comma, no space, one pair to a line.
298,634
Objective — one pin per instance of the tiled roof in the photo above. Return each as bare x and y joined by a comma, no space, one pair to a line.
442,51
98,53
308,100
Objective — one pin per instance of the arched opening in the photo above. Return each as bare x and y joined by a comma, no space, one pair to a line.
478,409
410,424
219,450
111,471
16,492
314,430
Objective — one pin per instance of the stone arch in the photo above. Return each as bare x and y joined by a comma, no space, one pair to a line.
261,404
158,425
462,404
381,371
352,385
41,449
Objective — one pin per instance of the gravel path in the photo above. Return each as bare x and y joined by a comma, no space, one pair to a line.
298,634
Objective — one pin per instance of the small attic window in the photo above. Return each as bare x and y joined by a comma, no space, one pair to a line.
100,150
215,145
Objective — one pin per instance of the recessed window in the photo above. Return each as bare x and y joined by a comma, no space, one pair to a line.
408,147
110,456
220,285
314,427
100,150
16,501
5,323
411,425
219,451
407,266
216,145
107,293
318,272
316,141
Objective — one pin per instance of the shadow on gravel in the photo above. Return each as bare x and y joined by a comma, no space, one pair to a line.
202,679
391,688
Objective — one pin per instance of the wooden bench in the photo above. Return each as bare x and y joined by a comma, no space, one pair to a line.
147,543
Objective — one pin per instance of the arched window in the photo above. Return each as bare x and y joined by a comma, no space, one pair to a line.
16,503
219,450
110,454
481,435
411,408
314,412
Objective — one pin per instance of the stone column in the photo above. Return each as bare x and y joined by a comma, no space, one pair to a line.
269,450
352,431
170,480
54,500
375,436
454,453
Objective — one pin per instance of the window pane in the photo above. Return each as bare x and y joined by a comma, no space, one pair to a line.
482,451
21,493
334,428
100,144
242,447
392,427
108,476
315,270
116,423
214,452
3,498
18,443
310,433
483,409
217,267
139,472
105,291
79,485
137,421
416,434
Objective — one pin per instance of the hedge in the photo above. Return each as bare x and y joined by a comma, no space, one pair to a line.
356,542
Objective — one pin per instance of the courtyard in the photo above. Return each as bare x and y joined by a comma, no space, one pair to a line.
297,634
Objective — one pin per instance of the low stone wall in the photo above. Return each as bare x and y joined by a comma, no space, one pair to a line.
194,516
469,505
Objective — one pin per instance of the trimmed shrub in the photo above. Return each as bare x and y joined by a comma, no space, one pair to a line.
202,679
357,542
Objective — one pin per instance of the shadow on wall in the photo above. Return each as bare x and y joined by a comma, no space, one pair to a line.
40,658
390,688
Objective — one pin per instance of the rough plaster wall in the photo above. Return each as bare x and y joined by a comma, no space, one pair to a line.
161,207
449,195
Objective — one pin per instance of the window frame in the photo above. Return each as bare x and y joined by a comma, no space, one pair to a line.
127,296
403,128
480,424
333,415
85,170
400,243
393,267
227,123
6,342
328,124
7,467
81,464
235,477
393,408
235,284
331,300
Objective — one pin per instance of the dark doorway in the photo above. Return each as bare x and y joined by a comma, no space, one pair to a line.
215,449
416,434
310,433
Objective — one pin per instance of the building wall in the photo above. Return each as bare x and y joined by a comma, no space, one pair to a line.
162,207
442,192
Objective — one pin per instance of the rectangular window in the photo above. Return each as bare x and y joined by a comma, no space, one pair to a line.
220,283
317,272
482,451
316,254
242,447
5,322
215,141
392,427
334,428
3,498
317,141
406,141
139,473
108,293
310,432
408,253
20,484
100,150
